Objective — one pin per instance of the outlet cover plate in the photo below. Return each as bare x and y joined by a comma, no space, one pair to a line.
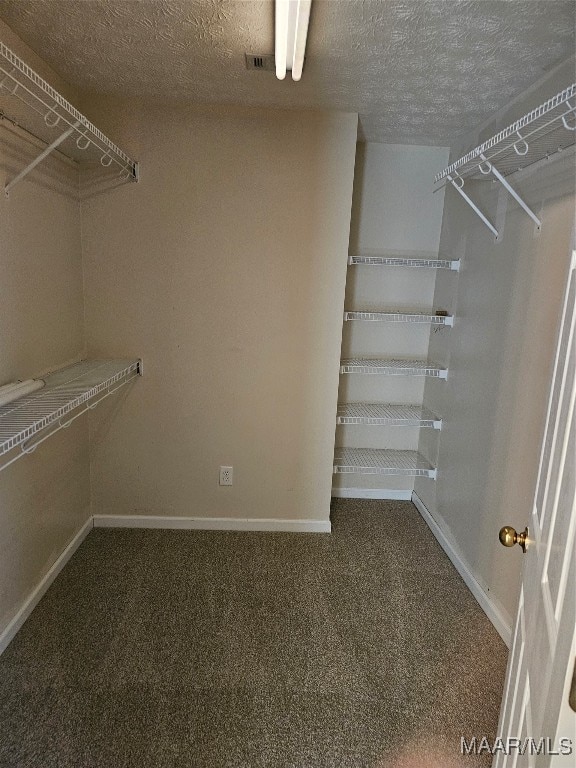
226,475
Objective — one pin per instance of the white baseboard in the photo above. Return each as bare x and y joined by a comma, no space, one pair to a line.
212,523
496,615
39,591
371,493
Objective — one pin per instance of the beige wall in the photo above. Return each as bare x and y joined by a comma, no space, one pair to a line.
224,268
506,299
392,211
44,497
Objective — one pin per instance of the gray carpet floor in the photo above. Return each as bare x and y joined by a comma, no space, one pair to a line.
157,649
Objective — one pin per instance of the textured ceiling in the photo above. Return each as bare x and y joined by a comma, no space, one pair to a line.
415,70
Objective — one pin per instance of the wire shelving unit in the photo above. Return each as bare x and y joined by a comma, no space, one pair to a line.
393,367
29,102
538,135
382,461
387,414
401,316
23,422
405,261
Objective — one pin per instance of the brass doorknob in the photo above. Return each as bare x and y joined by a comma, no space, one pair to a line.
508,537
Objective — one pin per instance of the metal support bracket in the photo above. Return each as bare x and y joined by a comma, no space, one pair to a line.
471,203
50,148
495,172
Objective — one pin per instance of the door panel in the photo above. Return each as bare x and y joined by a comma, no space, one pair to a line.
541,658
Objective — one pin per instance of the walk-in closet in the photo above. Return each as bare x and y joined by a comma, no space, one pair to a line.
287,383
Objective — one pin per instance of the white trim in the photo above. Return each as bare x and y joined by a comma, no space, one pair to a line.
493,611
212,523
41,588
371,493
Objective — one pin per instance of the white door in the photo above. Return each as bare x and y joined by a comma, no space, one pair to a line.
541,665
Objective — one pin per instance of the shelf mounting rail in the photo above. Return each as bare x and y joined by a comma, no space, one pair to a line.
544,131
21,82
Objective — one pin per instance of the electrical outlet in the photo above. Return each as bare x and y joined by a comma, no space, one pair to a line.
226,475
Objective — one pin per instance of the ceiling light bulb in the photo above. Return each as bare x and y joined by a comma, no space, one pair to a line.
291,30
281,37
302,19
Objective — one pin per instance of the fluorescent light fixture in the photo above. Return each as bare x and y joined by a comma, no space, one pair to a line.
292,17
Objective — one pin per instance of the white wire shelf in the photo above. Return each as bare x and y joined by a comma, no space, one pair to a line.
400,316
393,367
381,461
28,101
387,414
65,392
397,261
538,135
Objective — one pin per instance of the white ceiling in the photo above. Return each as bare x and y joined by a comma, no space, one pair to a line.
417,71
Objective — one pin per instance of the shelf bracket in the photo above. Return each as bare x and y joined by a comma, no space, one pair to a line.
50,148
495,172
471,203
